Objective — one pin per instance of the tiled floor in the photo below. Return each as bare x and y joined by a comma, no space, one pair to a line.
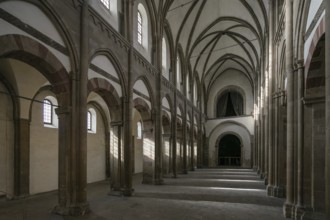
225,194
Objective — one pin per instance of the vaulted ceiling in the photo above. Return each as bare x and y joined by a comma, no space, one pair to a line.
219,35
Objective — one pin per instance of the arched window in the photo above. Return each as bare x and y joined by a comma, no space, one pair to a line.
178,74
106,3
47,112
195,92
139,27
164,55
139,130
89,120
188,95
231,103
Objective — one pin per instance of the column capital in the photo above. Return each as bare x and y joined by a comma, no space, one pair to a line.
299,64
63,110
116,123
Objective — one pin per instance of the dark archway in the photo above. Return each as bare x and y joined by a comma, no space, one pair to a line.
230,103
229,153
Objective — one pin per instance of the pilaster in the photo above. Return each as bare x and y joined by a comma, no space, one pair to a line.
327,89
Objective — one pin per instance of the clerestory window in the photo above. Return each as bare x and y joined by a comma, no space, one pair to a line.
47,112
106,3
139,27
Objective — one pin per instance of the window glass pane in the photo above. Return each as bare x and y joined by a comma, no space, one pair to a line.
139,130
89,121
47,111
164,54
106,3
139,28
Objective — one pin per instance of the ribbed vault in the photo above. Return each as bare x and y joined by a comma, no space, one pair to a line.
218,35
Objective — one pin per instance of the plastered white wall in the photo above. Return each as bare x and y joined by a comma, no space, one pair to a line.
142,88
308,41
314,6
28,81
34,17
247,121
96,151
105,64
43,151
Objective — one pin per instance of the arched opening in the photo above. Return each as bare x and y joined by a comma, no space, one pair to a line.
44,157
167,148
103,140
314,138
229,153
230,103
97,143
137,140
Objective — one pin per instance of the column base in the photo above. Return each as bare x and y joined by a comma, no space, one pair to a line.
258,172
255,168
76,210
309,215
299,212
266,181
279,192
127,192
270,190
288,210
192,169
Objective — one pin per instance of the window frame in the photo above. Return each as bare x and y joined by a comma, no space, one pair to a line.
139,132
139,28
50,113
89,121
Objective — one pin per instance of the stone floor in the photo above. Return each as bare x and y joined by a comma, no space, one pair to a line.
226,194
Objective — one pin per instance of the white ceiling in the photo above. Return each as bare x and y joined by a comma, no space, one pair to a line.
217,35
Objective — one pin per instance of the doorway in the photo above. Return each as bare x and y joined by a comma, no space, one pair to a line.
229,153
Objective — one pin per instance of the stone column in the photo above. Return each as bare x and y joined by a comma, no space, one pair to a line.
184,139
73,156
263,132
81,123
158,106
116,183
64,166
259,144
22,164
271,76
192,143
327,135
174,140
127,104
158,146
127,139
288,207
300,139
